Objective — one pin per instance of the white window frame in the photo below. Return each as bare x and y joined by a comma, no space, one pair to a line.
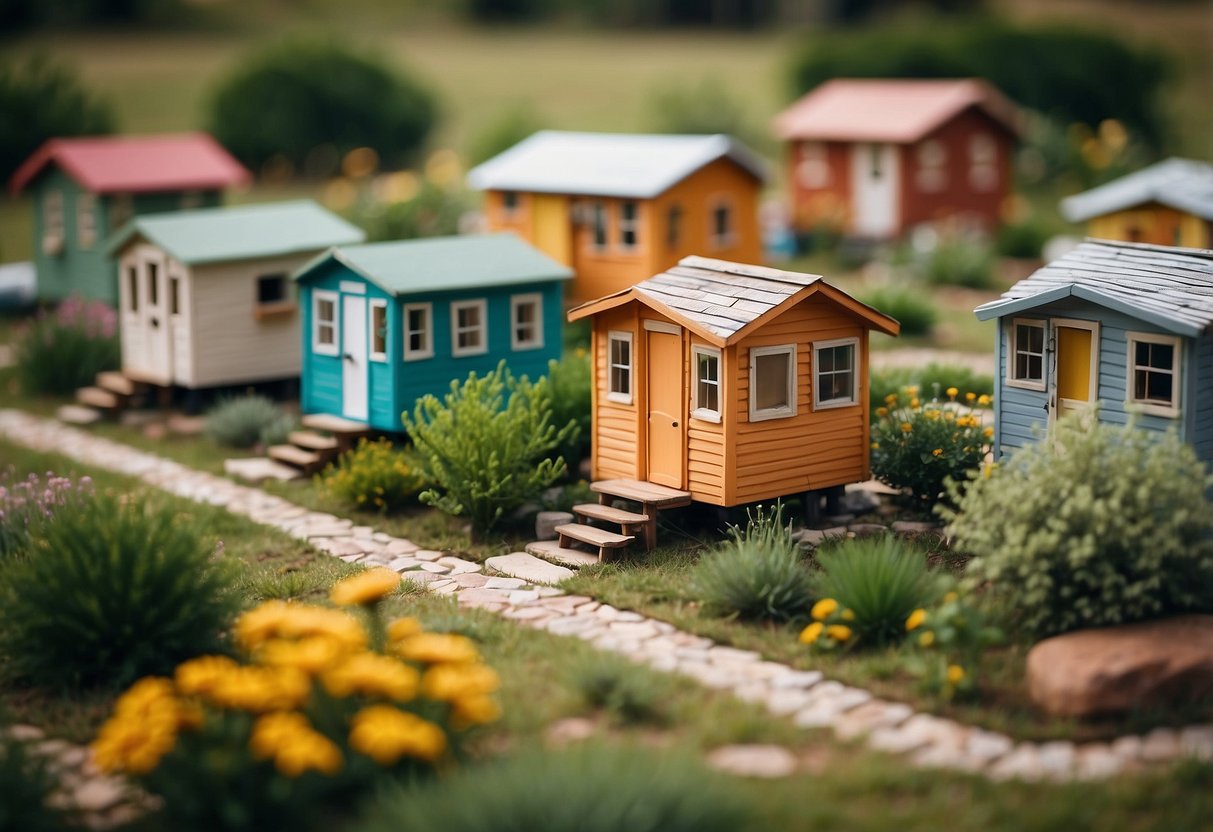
427,348
629,225
86,220
1013,350
54,231
729,238
853,399
698,409
319,296
786,411
535,342
932,161
1171,411
620,396
481,305
376,355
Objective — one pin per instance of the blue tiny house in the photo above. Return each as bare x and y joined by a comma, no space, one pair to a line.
1125,325
386,323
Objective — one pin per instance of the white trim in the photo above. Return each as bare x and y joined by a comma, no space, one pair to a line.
818,346
536,341
54,221
784,411
698,411
334,348
376,355
1173,410
86,220
1009,375
1092,378
621,396
729,238
482,328
352,287
651,325
427,348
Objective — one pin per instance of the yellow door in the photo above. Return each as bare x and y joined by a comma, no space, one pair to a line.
553,227
667,441
1075,385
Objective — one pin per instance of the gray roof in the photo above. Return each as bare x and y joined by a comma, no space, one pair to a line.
607,164
245,232
1183,184
443,264
1169,287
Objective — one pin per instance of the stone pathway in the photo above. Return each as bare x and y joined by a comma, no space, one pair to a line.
522,593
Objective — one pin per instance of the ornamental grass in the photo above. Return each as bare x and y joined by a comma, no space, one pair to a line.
64,350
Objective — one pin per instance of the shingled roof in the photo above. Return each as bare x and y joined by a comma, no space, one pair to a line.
723,301
1184,184
1169,287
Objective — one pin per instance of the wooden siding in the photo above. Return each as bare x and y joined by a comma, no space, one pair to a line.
709,465
1152,223
1199,389
616,449
824,205
698,195
182,326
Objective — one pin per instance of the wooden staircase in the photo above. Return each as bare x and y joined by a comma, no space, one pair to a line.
325,438
651,497
110,394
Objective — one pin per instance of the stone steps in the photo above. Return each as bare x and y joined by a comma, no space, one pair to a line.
98,398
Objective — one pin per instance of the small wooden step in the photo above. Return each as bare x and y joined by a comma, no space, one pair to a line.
311,440
96,397
599,538
290,454
610,514
333,424
649,493
78,414
115,382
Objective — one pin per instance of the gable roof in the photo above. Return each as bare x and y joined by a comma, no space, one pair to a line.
1183,184
889,109
723,302
1169,287
444,264
607,164
214,235
136,164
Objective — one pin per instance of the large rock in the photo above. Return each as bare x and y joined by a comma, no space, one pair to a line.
1115,669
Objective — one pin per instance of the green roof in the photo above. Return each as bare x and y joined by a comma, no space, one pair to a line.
245,232
475,261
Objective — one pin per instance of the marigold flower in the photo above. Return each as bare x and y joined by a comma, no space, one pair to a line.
890,399
955,674
969,397
294,745
811,633
988,433
823,609
402,628
937,452
847,615
279,619
365,588
312,654
447,682
839,632
261,689
932,414
983,400
432,648
906,427
915,403
133,745
474,710
950,597
199,675
926,639
882,412
916,619
372,674
385,734
912,389
952,392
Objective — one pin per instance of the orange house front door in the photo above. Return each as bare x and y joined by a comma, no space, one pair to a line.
667,429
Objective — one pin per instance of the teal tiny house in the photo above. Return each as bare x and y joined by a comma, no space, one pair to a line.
386,323
84,189
1125,325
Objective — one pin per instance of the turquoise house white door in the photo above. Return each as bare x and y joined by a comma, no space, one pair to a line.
353,358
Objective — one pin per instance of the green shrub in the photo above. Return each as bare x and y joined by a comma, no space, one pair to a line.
506,130
1025,239
483,448
26,504
933,379
959,262
435,211
110,592
629,693
757,573
569,382
918,446
1093,526
64,350
26,783
952,637
244,421
42,99
590,788
311,102
705,107
876,583
912,308
374,476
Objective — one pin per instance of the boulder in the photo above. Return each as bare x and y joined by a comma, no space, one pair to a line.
1111,670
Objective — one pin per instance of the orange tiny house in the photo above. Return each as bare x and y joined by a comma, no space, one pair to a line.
618,208
735,383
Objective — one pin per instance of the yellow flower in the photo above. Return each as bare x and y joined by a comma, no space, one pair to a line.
199,675
848,615
365,588
987,470
474,710
447,682
372,674
916,619
983,400
811,633
133,745
890,399
294,745
969,397
952,391
823,609
145,697
915,403
926,639
875,446
432,648
937,452
955,674
882,412
311,654
906,427
385,734
279,619
912,390
988,433
402,628
948,416
261,689
839,632
932,414
950,597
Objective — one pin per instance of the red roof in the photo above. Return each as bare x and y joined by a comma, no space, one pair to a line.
137,164
889,110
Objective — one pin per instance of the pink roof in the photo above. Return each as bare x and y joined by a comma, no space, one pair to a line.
889,110
137,164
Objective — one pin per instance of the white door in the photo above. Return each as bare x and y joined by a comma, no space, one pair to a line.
147,352
874,185
353,357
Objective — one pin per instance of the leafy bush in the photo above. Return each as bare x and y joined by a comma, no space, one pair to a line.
318,714
1093,526
373,476
583,789
506,130
64,350
629,693
934,378
918,447
26,783
757,573
24,504
952,638
959,261
1025,239
244,421
40,100
569,382
433,211
911,307
703,108
311,102
483,448
111,591
875,583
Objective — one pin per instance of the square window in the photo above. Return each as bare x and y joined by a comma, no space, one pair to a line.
468,328
526,313
722,225
1154,373
835,382
509,202
418,332
271,288
628,225
772,382
619,347
1027,365
706,402
378,309
324,323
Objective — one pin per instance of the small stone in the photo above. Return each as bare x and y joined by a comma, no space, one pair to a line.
1197,741
987,745
944,756
547,521
428,555
340,547
1056,759
24,733
504,583
1022,763
569,730
796,679
436,568
482,596
914,527
528,613
77,414
1160,744
98,794
1128,748
520,597
868,529
869,716
786,701
765,761
639,630
423,578
731,655
400,547
812,538
628,617
529,568
572,625
447,587
402,564
1097,762
896,740
459,566
470,580
749,691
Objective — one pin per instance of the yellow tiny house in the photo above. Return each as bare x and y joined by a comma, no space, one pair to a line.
735,383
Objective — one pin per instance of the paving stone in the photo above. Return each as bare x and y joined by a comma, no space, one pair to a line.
1197,741
481,597
786,701
548,591
947,757
429,555
606,612
569,730
914,527
871,715
260,469
340,546
868,529
403,564
896,740
436,568
764,761
459,566
522,597
796,679
564,604
325,530
571,625
350,558
528,613
1160,744
98,794
24,733
640,630
721,654
552,550
750,691
400,547
1097,762
987,745
812,538
425,578
1023,763
504,583
470,580
78,414
447,587
529,568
